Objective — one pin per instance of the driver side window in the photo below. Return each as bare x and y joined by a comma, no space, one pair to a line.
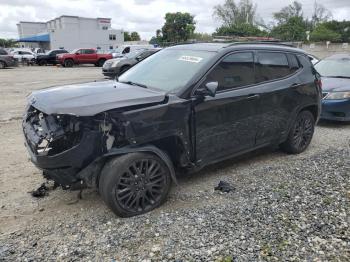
235,70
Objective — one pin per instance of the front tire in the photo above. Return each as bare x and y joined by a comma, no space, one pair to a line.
134,183
69,63
101,62
301,133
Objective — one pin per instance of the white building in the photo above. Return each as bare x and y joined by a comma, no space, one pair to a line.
70,32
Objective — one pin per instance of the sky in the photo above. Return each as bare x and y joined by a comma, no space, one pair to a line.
143,16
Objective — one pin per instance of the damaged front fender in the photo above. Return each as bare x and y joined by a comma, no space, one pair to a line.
91,173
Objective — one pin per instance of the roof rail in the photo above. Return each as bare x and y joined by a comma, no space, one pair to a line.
266,42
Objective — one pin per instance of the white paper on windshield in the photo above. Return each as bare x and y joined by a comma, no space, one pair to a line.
192,59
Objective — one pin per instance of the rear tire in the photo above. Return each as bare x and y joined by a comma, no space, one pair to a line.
301,133
69,63
134,183
2,65
42,63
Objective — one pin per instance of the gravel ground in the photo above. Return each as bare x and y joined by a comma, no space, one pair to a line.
284,207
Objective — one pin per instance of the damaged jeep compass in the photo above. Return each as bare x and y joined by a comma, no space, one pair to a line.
181,109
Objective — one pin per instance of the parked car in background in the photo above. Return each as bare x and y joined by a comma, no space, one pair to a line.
6,60
183,108
83,56
50,57
335,73
24,56
126,49
38,51
117,66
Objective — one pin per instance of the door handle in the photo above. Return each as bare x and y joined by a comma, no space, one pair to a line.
295,85
253,96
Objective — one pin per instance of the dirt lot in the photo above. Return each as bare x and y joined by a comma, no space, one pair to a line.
283,206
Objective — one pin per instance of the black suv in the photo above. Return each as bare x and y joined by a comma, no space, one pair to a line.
50,57
183,108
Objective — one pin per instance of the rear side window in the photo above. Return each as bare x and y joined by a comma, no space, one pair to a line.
233,71
293,62
271,66
88,51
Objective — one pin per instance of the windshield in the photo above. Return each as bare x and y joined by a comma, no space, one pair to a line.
167,70
134,54
74,51
334,67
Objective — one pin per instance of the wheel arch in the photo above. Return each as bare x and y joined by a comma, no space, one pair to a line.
90,175
313,109
150,149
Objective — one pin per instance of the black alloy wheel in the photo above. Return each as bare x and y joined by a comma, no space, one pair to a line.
300,134
135,183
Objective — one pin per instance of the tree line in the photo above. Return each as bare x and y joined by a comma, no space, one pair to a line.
241,19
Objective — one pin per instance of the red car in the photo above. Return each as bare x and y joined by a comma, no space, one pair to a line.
83,56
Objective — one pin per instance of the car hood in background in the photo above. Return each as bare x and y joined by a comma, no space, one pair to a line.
92,98
333,84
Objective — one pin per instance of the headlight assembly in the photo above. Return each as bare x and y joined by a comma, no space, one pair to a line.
337,95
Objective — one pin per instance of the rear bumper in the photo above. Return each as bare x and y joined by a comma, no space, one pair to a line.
337,110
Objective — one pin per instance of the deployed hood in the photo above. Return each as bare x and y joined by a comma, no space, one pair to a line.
92,98
332,84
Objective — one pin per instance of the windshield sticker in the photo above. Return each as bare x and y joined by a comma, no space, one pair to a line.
192,59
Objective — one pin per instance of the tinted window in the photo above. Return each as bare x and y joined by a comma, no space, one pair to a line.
293,62
272,65
126,50
88,51
233,71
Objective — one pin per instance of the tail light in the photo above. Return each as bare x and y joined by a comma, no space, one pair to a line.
318,82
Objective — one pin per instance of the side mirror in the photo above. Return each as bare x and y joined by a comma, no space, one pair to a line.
209,89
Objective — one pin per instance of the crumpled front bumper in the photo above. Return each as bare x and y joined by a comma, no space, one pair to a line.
64,166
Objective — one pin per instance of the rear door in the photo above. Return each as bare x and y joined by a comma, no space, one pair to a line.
227,123
277,80
88,56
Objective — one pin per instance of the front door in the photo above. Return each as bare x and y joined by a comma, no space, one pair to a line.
226,124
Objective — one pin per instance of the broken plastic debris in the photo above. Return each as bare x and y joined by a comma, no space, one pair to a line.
41,191
224,187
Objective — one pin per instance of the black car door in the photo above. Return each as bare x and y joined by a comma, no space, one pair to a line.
226,124
51,59
277,79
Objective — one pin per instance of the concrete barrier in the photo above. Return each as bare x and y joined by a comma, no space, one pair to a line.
322,50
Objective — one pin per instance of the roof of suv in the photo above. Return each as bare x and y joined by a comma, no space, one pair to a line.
217,47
